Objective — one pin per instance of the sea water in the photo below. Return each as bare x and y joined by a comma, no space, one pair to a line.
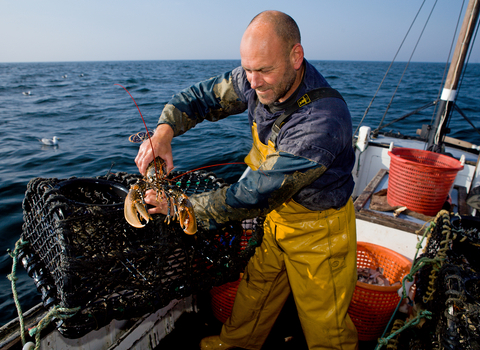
92,117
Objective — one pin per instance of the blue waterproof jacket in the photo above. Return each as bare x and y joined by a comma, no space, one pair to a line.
314,155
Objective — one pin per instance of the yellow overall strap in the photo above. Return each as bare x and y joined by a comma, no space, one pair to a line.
259,151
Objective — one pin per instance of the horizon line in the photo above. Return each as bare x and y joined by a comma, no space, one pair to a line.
216,59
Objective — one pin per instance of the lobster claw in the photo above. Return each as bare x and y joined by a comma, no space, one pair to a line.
134,208
186,215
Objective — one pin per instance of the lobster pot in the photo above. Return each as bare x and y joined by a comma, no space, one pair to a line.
420,180
449,291
83,253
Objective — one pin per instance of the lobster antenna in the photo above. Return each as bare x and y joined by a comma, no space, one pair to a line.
111,166
204,167
145,124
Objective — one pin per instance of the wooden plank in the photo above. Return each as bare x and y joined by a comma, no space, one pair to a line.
458,142
385,220
463,208
377,217
369,190
10,333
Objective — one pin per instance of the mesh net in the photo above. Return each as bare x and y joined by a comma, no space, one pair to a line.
448,285
82,252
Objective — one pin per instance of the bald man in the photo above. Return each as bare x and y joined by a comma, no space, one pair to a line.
300,179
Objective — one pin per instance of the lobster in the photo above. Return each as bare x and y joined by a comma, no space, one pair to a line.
155,178
179,206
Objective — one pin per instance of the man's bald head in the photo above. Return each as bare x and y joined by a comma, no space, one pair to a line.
281,24
272,56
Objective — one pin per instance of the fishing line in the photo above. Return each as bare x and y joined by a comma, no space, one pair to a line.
151,145
145,124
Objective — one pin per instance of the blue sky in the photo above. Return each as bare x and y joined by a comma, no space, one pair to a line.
104,30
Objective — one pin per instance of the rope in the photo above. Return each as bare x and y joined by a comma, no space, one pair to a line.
393,343
56,312
442,235
410,276
440,257
413,322
13,278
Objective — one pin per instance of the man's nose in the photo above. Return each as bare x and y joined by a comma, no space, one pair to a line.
256,80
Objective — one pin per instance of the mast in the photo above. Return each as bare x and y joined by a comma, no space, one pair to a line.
449,93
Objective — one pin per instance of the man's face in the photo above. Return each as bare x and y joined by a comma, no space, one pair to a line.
269,69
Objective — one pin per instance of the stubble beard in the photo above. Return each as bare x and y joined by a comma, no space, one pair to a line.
280,90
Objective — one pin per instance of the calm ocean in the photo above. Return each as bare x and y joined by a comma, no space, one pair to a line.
93,118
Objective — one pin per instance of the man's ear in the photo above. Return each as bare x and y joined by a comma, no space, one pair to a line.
296,56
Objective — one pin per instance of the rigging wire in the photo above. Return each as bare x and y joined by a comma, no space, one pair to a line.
455,106
404,70
390,66
432,103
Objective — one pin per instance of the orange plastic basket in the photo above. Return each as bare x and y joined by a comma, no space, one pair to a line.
420,180
372,306
222,298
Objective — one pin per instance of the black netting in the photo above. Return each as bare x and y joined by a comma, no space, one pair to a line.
448,286
83,253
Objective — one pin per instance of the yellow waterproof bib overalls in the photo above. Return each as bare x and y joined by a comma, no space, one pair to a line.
312,254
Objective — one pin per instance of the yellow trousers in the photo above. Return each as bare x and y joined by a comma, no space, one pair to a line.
312,255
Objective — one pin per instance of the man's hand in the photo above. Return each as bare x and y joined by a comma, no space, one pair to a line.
160,204
161,141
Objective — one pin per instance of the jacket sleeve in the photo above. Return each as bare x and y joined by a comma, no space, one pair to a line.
259,192
212,99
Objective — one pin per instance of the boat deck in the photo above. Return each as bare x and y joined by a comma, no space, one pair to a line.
191,327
